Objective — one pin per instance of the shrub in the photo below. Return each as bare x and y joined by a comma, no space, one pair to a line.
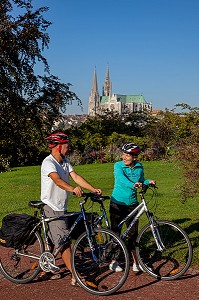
188,153
112,153
4,164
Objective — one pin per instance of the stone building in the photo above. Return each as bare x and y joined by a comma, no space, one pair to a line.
109,101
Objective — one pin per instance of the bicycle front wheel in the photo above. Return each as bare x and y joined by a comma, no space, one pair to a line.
173,259
94,266
22,265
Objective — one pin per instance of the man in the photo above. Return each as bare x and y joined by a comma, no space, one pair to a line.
55,189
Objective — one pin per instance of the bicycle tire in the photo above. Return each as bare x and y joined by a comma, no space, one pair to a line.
18,268
94,275
174,260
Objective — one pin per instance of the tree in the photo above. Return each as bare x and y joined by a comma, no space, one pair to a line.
29,102
167,130
188,153
101,135
178,134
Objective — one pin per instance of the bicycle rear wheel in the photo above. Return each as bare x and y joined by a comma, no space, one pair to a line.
91,268
22,265
176,256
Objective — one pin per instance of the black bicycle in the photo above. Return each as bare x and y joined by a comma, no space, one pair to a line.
163,248
92,253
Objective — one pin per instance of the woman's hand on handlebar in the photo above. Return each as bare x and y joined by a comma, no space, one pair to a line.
138,185
152,182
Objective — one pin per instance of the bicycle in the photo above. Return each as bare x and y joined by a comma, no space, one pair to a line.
91,255
163,248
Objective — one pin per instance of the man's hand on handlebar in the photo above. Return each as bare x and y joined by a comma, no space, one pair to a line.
97,191
78,191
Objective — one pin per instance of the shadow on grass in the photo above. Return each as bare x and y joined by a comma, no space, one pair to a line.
193,227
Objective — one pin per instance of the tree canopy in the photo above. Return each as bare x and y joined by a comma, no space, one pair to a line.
29,102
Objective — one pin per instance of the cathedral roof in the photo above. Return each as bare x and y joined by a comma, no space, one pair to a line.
104,99
124,98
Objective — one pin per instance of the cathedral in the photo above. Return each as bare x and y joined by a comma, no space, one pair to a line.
123,104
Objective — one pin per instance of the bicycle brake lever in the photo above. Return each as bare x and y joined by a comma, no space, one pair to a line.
154,186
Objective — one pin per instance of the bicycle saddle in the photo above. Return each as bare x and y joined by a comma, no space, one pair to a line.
36,203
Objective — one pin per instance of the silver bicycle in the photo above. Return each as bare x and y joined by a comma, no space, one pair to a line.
163,248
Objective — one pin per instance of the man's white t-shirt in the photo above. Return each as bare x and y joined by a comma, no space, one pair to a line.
51,194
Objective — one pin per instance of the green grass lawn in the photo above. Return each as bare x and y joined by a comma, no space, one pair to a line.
23,184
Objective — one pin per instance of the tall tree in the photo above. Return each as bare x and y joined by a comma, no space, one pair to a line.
29,102
188,153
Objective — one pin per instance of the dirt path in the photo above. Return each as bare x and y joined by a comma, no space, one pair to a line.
137,287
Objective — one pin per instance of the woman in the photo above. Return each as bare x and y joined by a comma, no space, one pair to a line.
128,175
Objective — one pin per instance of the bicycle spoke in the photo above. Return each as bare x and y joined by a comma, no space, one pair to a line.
20,266
91,268
176,256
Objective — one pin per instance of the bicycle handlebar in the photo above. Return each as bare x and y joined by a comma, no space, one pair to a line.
94,198
145,188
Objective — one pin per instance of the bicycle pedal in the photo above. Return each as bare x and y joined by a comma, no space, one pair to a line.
54,268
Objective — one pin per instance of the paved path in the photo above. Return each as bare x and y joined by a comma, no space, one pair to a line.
137,287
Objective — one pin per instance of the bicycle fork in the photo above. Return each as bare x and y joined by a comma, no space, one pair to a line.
156,235
93,247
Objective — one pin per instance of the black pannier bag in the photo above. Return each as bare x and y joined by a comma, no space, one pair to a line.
15,229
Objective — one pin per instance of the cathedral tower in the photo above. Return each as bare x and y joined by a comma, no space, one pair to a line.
107,88
94,99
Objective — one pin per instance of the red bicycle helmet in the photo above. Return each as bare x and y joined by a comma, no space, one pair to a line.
131,148
57,138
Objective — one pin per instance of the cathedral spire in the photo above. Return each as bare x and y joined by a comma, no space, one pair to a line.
107,88
94,99
94,86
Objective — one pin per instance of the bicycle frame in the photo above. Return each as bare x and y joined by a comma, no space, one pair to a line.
45,220
138,211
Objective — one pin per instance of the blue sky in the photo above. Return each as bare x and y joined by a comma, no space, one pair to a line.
151,47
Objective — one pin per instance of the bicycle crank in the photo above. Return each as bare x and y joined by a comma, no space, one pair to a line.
47,262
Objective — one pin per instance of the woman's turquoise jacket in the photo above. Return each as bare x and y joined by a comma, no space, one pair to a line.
125,177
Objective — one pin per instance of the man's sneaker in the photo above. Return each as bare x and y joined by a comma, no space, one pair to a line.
137,268
114,266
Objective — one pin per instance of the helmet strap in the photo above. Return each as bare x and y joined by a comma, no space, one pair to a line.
59,149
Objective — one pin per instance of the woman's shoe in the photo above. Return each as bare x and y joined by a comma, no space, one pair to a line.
114,266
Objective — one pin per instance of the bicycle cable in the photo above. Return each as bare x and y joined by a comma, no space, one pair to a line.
154,195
